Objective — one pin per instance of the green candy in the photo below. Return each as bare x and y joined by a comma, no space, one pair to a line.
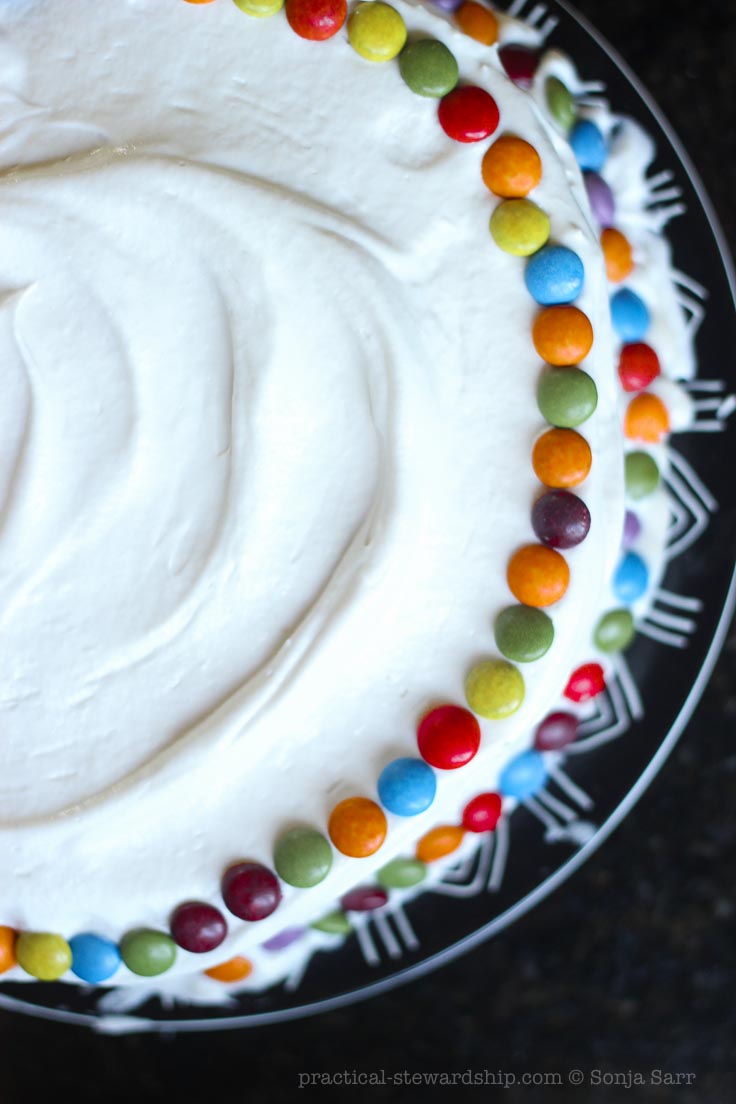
494,689
641,475
566,397
523,633
43,955
147,953
429,68
614,631
560,103
336,923
519,227
401,874
303,857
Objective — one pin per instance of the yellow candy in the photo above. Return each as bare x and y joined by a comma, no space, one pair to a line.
259,8
376,31
520,227
494,689
43,955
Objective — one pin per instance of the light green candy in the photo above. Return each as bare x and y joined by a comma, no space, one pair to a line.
147,953
566,397
335,923
429,68
560,102
641,475
401,874
303,857
376,31
261,9
494,689
519,227
614,631
43,955
523,633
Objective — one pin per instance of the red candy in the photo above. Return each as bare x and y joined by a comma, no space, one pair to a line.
586,682
198,927
638,366
482,813
316,19
364,899
520,64
448,737
250,891
556,731
468,114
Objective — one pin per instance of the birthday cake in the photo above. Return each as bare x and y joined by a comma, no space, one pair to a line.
315,462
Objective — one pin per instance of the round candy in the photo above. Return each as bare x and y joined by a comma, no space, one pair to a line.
199,1
316,19
429,68
261,9
560,103
519,227
554,275
537,575
148,953
630,579
401,874
43,955
556,731
357,827
561,458
600,198
630,315
250,891
494,689
511,167
198,927
438,842
586,682
614,631
520,64
617,254
376,31
407,786
523,633
477,22
588,145
335,923
284,939
560,519
482,813
632,529
468,114
8,937
523,776
94,958
566,397
448,737
364,899
638,366
641,475
562,335
646,419
447,5
302,857
235,969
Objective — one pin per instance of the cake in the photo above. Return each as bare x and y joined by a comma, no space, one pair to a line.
313,465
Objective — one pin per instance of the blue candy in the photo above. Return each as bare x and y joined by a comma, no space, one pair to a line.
523,776
554,275
407,786
631,578
94,958
588,145
630,315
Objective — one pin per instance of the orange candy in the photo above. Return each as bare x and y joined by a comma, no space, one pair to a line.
439,842
357,827
477,22
235,969
617,254
561,458
8,937
537,575
647,419
562,336
511,167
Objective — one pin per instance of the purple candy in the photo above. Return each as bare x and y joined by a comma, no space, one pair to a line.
283,939
600,198
632,529
560,519
447,5
556,731
364,899
520,63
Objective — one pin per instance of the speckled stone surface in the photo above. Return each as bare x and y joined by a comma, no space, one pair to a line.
650,983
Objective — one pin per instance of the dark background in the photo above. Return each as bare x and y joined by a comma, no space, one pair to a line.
651,983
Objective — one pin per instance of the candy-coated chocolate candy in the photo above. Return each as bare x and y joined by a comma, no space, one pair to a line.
477,22
631,578
523,776
511,167
261,9
600,197
316,19
538,576
94,958
614,631
284,939
376,31
520,63
401,874
43,955
438,842
632,529
588,145
364,899
334,923
561,458
519,227
630,315
250,891
235,969
8,937
148,953
198,1
641,475
562,335
357,827
560,519
523,633
407,786
429,68
646,419
586,682
556,731
198,927
448,737
638,366
554,275
617,254
302,857
482,813
566,397
494,689
560,103
468,114
447,5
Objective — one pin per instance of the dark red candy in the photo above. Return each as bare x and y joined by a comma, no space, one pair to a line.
448,737
482,813
364,899
468,114
586,682
556,731
638,366
250,891
198,927
560,519
520,63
